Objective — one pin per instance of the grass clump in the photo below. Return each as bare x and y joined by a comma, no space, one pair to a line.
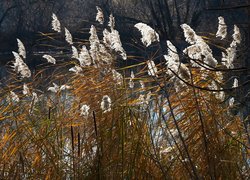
164,120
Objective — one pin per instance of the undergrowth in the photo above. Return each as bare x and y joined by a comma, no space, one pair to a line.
148,120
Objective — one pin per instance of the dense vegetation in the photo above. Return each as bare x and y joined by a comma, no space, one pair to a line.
170,115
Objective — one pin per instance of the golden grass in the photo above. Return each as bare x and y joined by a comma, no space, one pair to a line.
202,138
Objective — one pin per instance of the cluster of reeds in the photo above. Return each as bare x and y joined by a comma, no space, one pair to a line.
90,119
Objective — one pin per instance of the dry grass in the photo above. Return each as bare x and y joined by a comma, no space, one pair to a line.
55,142
185,134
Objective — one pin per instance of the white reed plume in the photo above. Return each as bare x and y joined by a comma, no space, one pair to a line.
166,150
222,28
26,90
56,25
68,36
116,44
64,87
49,59
237,35
94,45
111,22
21,48
84,57
94,40
172,53
76,69
177,67
152,69
199,50
189,34
193,52
20,66
75,54
213,85
14,97
228,57
99,15
236,83
173,64
106,104
218,95
117,77
219,76
231,102
210,60
144,99
18,60
35,98
105,55
172,58
55,88
149,35
132,75
131,82
140,100
106,38
84,110
113,41
142,84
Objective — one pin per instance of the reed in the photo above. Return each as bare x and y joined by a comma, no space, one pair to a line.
166,120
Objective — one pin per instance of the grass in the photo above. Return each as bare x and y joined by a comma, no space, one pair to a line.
185,133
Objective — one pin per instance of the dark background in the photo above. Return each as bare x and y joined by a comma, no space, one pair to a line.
25,18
